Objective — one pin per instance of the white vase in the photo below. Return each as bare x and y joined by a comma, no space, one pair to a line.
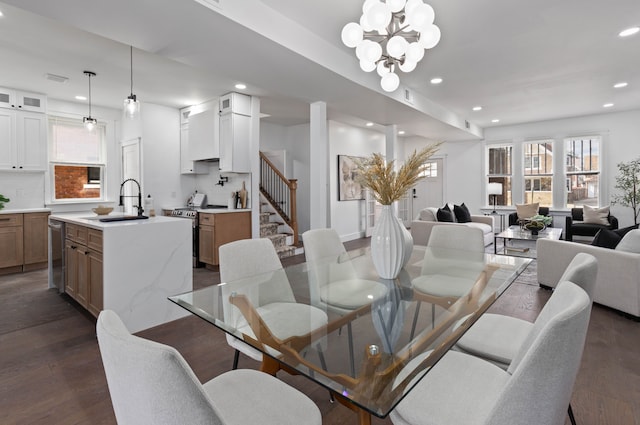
391,244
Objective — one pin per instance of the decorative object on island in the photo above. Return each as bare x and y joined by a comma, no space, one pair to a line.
494,189
628,183
89,122
392,36
131,104
3,201
102,210
349,188
391,242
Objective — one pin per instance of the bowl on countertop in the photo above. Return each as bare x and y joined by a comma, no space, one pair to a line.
100,210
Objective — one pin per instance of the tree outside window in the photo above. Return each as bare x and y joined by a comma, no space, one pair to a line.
499,160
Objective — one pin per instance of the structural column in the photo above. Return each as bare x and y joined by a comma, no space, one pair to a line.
319,204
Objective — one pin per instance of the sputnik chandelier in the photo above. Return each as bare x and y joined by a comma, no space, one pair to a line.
392,35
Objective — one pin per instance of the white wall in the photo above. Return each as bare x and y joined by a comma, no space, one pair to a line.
620,132
347,217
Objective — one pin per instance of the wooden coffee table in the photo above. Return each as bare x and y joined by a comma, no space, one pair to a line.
522,243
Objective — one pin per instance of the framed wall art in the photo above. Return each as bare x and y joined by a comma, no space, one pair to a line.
348,187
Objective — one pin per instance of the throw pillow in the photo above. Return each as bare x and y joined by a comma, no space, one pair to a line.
462,213
630,242
624,231
445,214
427,215
596,215
527,210
606,238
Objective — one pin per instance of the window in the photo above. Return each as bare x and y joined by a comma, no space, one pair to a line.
538,172
430,169
499,171
76,159
582,167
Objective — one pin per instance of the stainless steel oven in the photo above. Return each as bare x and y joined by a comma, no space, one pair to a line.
190,213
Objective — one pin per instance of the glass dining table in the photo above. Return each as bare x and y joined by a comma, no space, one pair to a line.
295,316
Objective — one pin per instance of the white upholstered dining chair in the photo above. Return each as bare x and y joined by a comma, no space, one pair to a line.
151,383
270,293
535,389
336,287
498,338
448,275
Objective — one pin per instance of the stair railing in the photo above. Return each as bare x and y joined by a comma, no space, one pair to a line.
280,192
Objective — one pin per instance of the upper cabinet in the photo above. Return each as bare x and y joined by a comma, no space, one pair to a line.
204,134
23,101
235,133
187,165
23,141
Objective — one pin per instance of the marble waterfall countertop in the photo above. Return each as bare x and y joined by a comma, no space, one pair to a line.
92,220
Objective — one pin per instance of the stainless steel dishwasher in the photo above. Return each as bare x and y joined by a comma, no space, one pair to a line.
56,254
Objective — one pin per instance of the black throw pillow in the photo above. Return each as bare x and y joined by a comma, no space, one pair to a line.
624,231
445,214
462,213
606,238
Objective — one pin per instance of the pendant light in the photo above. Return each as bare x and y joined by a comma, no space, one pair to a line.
89,122
131,104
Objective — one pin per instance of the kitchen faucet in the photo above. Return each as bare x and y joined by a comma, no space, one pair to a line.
139,206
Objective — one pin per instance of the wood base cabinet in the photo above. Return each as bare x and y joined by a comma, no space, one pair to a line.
219,229
24,241
83,258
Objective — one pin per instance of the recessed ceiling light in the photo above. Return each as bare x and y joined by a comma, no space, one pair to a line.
369,124
1,13
437,80
607,105
495,120
629,31
241,86
401,132
620,85
81,97
477,108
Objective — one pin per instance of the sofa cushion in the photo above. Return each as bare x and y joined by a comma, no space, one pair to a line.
462,213
527,210
630,242
594,215
482,226
445,214
428,214
606,238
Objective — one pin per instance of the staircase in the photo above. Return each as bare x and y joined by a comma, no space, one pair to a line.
278,209
274,229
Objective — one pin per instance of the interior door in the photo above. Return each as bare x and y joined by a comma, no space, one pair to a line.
429,192
131,169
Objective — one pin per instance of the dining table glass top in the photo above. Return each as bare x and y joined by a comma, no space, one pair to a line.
368,340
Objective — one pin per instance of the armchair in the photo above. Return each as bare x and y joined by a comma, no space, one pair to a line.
575,225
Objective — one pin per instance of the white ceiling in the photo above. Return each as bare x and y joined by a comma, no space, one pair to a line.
521,61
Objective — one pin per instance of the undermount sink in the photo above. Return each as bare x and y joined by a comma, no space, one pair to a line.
123,218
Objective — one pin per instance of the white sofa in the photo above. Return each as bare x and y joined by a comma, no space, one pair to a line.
422,225
618,281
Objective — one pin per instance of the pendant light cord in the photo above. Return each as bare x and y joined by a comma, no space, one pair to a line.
89,75
131,61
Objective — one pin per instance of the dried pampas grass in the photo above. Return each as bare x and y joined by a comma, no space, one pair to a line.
388,185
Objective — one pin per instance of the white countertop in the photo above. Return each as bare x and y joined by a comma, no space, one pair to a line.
24,210
92,220
221,210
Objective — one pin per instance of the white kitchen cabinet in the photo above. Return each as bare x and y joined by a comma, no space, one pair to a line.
21,100
203,134
23,141
235,132
188,166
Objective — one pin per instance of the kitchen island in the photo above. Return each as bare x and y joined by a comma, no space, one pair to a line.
129,266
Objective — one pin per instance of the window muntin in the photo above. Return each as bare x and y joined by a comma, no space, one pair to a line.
430,169
538,172
76,160
499,159
582,168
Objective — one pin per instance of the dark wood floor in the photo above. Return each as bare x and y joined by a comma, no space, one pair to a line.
51,372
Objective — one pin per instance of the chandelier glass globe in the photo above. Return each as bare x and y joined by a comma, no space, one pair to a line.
392,35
